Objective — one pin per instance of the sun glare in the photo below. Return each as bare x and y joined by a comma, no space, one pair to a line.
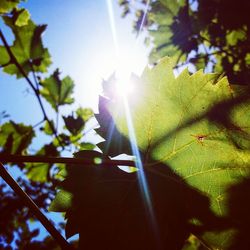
124,85
124,67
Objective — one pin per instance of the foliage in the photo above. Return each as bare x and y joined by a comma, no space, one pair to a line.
28,58
189,136
201,32
27,47
193,136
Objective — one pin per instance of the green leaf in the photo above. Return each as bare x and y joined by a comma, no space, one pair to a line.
22,17
40,171
192,243
15,138
47,127
87,146
4,59
56,91
27,47
8,5
235,37
62,202
85,113
63,138
198,128
162,15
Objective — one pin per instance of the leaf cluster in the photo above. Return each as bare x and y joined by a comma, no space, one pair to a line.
202,33
26,57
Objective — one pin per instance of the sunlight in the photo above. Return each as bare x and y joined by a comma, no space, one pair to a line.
126,61
124,68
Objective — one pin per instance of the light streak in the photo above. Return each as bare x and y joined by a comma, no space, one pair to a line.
112,25
143,18
143,184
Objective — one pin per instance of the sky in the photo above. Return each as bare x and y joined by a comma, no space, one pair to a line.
80,40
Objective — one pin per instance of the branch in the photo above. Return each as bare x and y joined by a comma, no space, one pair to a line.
65,160
36,91
33,207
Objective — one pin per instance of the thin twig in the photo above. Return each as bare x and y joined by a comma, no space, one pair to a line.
34,77
36,91
39,123
65,160
57,118
35,210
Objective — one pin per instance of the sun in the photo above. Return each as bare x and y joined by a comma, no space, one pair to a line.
125,67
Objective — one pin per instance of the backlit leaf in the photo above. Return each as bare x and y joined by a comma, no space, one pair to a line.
198,126
85,113
47,127
62,201
27,47
15,138
57,91
22,17
8,5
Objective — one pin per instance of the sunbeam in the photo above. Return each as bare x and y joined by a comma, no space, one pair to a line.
141,174
124,87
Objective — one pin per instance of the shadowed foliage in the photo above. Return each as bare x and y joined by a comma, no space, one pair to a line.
205,33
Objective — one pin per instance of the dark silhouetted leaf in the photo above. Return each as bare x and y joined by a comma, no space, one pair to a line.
74,125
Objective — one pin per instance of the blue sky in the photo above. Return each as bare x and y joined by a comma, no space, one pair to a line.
80,41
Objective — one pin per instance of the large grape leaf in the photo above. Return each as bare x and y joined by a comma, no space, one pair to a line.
198,126
27,48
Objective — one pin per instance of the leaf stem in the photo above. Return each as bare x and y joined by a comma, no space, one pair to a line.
33,207
65,160
39,123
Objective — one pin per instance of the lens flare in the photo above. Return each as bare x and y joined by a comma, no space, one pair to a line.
124,87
